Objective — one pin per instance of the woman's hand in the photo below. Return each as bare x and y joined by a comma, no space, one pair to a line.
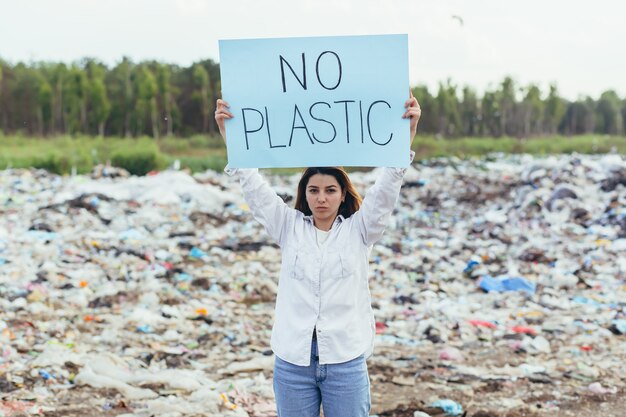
413,112
221,114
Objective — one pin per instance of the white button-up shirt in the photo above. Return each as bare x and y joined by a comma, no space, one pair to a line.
323,286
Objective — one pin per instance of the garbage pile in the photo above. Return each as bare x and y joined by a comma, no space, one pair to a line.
499,289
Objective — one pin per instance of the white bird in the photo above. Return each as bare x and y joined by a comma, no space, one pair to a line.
459,18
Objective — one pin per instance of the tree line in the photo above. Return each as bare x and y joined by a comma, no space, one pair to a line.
156,99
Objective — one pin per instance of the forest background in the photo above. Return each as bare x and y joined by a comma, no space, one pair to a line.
145,115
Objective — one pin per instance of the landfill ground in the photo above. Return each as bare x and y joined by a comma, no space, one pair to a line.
499,289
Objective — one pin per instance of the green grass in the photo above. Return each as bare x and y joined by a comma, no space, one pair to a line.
138,155
199,153
428,147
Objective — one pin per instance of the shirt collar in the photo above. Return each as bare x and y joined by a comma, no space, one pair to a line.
338,219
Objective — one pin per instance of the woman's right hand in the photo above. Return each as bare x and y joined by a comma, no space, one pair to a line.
221,114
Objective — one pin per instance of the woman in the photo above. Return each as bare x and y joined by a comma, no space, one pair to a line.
324,327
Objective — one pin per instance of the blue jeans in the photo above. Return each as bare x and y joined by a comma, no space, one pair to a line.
343,389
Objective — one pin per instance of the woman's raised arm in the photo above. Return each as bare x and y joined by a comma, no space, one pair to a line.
380,199
267,207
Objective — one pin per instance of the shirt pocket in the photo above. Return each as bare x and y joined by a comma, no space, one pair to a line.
341,263
295,264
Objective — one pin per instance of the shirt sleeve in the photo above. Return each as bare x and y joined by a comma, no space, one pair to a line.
266,206
379,202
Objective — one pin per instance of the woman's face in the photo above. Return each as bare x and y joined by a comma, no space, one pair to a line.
324,196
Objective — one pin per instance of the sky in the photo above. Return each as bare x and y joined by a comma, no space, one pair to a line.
579,45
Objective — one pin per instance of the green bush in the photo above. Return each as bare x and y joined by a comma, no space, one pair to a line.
61,163
139,161
51,162
200,164
199,141
174,145
215,142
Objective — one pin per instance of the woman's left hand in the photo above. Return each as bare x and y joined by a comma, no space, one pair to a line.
413,112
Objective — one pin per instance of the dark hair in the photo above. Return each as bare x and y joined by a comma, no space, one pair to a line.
348,207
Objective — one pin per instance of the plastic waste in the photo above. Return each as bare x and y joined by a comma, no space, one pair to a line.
171,277
618,326
88,377
197,253
449,407
451,354
504,283
483,323
597,388
524,330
